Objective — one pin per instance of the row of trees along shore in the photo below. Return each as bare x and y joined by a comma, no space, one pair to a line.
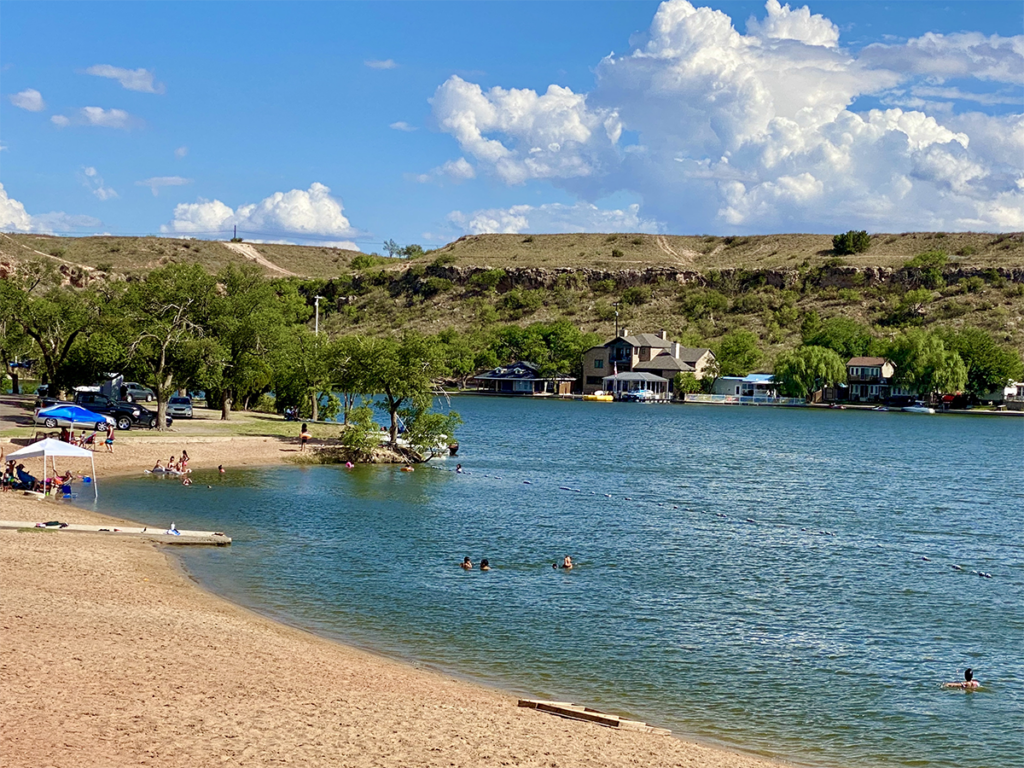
239,335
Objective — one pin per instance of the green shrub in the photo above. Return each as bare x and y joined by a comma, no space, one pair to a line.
518,302
362,261
637,241
850,296
993,278
854,241
967,250
603,286
973,284
435,285
60,253
617,254
749,303
604,311
704,302
444,259
528,239
636,296
928,259
487,279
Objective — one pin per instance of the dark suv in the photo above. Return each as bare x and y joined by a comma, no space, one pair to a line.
125,414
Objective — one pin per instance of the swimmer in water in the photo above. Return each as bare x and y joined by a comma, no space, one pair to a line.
969,683
458,468
485,565
220,468
466,564
567,563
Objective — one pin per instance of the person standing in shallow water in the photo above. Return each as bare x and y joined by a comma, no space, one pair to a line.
968,684
304,436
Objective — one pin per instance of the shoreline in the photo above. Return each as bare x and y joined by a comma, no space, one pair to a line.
102,639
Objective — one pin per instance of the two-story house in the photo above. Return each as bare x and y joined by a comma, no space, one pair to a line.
644,353
870,379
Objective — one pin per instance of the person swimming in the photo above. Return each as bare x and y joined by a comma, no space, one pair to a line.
567,563
969,683
485,565
466,564
458,468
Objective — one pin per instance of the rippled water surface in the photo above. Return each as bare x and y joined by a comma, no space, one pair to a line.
753,576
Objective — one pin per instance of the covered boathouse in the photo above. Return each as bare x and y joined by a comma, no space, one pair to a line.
523,378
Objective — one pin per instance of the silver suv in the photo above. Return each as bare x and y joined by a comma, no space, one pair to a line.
179,407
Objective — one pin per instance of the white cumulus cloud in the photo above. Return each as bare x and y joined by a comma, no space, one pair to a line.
133,79
156,182
401,125
29,99
551,218
61,121
14,217
381,63
760,131
311,215
180,152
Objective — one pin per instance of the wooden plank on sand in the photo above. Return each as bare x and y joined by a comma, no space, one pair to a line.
576,712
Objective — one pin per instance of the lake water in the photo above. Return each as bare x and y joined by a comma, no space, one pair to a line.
750,576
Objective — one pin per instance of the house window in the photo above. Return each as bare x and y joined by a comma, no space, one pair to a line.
523,386
599,363
594,381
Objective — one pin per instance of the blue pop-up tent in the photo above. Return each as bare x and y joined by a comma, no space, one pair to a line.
77,415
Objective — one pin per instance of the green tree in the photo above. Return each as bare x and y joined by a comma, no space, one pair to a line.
990,367
685,383
305,367
854,241
738,353
250,317
808,369
403,372
14,342
361,434
163,320
429,432
924,365
844,336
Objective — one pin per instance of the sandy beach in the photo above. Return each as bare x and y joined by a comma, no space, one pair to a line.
112,656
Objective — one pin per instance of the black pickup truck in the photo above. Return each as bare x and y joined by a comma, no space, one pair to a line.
125,414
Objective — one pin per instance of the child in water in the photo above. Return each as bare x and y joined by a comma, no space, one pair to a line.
969,683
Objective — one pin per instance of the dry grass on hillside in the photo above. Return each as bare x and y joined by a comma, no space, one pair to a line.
128,255
637,251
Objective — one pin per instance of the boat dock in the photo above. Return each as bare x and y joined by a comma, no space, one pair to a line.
208,538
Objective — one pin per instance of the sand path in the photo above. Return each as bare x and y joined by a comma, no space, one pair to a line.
249,252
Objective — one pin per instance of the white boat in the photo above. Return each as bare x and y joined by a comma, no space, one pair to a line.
918,407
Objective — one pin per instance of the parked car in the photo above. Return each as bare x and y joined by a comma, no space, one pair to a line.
125,414
179,406
71,416
134,391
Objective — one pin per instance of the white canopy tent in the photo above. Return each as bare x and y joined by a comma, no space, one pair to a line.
50,447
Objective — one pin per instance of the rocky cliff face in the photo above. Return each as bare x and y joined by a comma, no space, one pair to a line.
820,277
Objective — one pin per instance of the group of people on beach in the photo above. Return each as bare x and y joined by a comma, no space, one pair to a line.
88,441
16,478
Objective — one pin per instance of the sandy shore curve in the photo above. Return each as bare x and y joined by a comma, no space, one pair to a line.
112,656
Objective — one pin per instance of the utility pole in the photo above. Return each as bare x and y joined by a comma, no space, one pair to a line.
235,236
316,304
616,305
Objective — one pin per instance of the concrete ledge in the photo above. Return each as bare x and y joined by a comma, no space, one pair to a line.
209,538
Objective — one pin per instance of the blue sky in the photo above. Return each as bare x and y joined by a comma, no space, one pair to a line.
355,122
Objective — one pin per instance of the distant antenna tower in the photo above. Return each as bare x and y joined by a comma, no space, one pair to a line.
235,236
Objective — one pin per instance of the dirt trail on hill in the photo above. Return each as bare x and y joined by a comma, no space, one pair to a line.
686,257
84,267
246,250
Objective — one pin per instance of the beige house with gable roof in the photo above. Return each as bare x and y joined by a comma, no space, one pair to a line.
641,352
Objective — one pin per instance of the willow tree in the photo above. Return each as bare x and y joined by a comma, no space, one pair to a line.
808,369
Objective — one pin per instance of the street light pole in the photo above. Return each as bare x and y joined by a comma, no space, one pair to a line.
616,305
316,304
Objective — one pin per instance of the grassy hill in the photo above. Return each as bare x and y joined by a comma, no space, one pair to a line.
697,288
